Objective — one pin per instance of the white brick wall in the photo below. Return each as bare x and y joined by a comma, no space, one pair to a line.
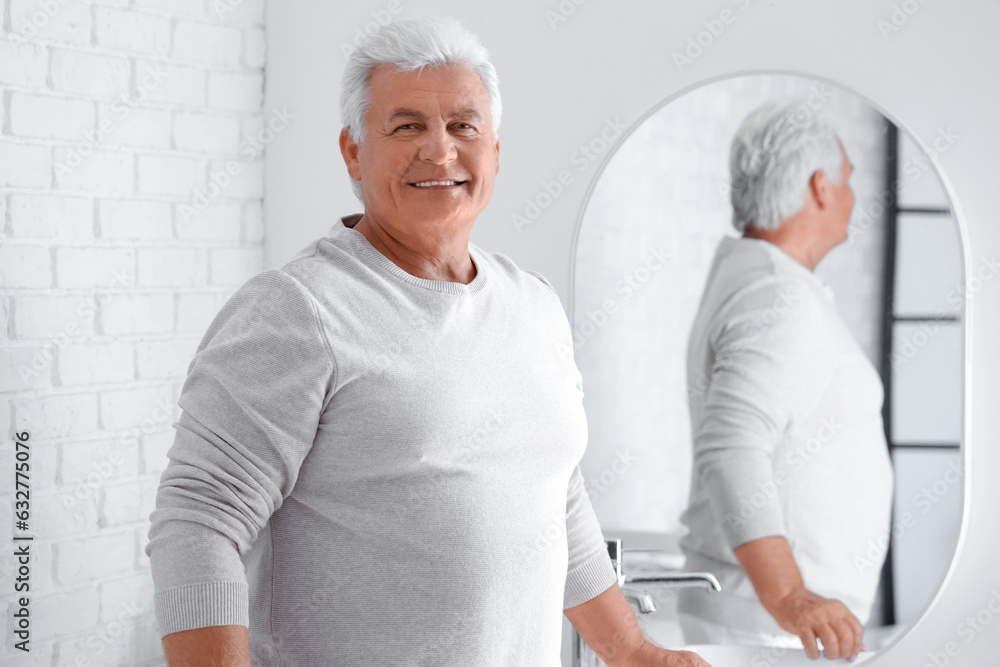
49,117
89,74
110,459
169,175
181,85
23,64
132,31
93,266
25,266
25,166
206,134
113,116
141,128
217,221
97,171
42,215
65,22
138,313
170,267
234,91
135,219
37,317
90,363
165,358
219,45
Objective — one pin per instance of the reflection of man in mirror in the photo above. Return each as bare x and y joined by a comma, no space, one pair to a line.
791,479
377,461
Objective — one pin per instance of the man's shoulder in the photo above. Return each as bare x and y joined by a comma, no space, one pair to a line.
308,257
750,278
290,289
754,294
507,269
777,304
316,266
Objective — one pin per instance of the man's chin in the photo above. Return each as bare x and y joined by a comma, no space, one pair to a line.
446,214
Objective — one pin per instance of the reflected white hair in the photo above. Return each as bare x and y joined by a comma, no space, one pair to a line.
775,152
430,41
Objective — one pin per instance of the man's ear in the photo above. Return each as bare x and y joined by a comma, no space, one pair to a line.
496,147
349,149
819,188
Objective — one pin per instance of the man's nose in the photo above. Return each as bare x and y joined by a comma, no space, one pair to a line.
437,145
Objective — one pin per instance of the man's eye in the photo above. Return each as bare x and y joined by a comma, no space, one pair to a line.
405,126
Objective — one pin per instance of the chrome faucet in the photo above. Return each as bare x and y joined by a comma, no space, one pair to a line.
642,599
671,579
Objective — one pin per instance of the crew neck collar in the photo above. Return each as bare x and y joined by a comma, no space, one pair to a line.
780,257
379,261
785,261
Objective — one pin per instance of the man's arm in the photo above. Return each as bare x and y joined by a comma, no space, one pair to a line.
251,402
607,624
604,620
776,578
765,375
214,646
770,368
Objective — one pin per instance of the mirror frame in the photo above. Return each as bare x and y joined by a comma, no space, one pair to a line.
959,219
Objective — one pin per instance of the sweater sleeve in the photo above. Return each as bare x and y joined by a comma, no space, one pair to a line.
251,404
589,572
771,364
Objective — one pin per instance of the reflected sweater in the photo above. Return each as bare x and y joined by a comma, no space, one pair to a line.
788,438
372,468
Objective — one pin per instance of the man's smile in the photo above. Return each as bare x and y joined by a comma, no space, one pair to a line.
437,184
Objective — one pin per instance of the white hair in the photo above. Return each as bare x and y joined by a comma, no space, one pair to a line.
431,41
775,152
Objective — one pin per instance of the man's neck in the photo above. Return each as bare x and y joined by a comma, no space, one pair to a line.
795,241
445,258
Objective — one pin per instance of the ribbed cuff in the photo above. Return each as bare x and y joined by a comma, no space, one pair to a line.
746,499
589,579
202,605
767,524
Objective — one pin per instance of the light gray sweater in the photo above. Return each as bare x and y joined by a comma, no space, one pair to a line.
788,437
371,468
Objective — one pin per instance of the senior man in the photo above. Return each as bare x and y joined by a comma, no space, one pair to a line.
377,438
791,477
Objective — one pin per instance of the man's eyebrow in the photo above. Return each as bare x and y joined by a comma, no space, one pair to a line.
470,113
403,112
467,112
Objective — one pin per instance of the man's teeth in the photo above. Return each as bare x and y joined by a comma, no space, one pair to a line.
427,184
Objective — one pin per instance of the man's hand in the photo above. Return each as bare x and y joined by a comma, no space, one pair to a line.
809,616
778,583
651,655
609,627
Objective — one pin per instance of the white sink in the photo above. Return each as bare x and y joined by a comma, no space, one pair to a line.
719,655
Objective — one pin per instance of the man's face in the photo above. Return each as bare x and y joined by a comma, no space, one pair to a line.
425,127
843,198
